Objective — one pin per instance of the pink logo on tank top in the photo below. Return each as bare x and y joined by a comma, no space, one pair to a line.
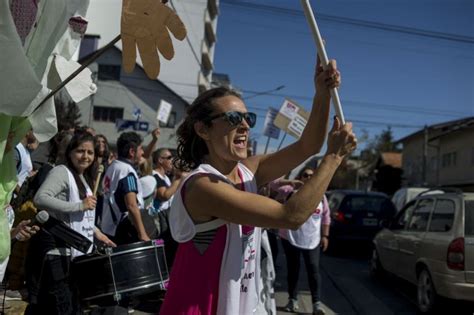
247,230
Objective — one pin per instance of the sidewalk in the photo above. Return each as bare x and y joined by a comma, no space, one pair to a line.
332,299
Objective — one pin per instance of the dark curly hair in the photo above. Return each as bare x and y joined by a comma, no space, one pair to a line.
192,148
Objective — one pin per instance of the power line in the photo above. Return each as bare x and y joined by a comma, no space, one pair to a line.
351,21
379,106
396,108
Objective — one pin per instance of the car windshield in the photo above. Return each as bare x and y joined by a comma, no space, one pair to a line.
367,203
469,218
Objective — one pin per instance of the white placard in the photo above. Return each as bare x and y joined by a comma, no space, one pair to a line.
289,110
269,129
297,125
164,111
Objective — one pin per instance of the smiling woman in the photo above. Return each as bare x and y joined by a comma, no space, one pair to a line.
217,215
66,195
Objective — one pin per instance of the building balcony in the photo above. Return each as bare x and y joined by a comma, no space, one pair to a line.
209,31
206,58
203,83
213,8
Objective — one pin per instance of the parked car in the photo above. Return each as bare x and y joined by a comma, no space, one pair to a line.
357,215
430,243
402,196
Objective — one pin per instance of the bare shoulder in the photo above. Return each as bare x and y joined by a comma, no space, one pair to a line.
252,163
201,183
204,193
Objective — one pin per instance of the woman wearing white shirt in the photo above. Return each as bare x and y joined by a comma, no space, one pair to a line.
67,196
306,241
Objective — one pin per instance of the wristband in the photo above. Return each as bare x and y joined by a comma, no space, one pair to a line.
326,236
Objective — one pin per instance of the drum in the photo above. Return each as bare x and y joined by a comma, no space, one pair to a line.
122,272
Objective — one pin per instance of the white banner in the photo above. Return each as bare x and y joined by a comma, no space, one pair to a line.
297,125
289,110
269,129
164,111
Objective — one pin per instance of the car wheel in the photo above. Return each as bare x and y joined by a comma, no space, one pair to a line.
426,293
376,269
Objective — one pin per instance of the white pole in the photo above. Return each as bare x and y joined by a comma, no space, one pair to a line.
308,12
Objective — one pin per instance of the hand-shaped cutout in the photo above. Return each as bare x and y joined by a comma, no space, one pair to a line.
146,24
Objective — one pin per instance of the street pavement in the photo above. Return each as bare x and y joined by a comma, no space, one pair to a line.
347,289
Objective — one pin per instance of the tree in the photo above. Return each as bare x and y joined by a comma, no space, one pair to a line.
68,114
380,143
381,177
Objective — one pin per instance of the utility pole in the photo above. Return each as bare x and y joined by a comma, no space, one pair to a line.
425,155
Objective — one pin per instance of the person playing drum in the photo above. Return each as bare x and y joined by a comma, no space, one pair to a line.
67,196
217,215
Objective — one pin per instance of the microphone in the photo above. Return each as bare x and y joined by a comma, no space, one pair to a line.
60,231
100,170
41,218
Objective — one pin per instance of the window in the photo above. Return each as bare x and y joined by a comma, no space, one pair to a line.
449,159
434,163
366,203
421,215
171,121
335,200
108,114
402,219
469,219
443,216
109,72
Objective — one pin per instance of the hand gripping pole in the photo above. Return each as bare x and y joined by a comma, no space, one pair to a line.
308,12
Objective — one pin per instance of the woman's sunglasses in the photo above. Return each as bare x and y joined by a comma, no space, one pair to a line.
307,175
235,118
167,157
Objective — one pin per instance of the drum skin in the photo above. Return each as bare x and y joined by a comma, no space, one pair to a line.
137,268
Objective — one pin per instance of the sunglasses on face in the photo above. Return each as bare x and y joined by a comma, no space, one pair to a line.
167,157
235,118
307,175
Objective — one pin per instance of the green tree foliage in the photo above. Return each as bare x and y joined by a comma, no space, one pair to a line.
383,142
68,114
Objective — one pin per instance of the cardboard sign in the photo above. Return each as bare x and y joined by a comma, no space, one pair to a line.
164,111
147,24
291,118
269,128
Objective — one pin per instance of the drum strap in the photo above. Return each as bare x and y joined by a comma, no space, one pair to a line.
59,252
210,225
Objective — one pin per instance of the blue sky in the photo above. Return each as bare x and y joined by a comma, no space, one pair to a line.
390,78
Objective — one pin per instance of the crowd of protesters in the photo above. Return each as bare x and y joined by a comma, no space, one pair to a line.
201,199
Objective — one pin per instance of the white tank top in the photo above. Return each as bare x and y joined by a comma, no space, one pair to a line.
80,221
112,215
239,280
308,235
26,166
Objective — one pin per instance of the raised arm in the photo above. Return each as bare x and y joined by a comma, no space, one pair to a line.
208,197
271,166
151,146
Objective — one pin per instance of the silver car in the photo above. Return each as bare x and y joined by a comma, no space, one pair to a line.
430,243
